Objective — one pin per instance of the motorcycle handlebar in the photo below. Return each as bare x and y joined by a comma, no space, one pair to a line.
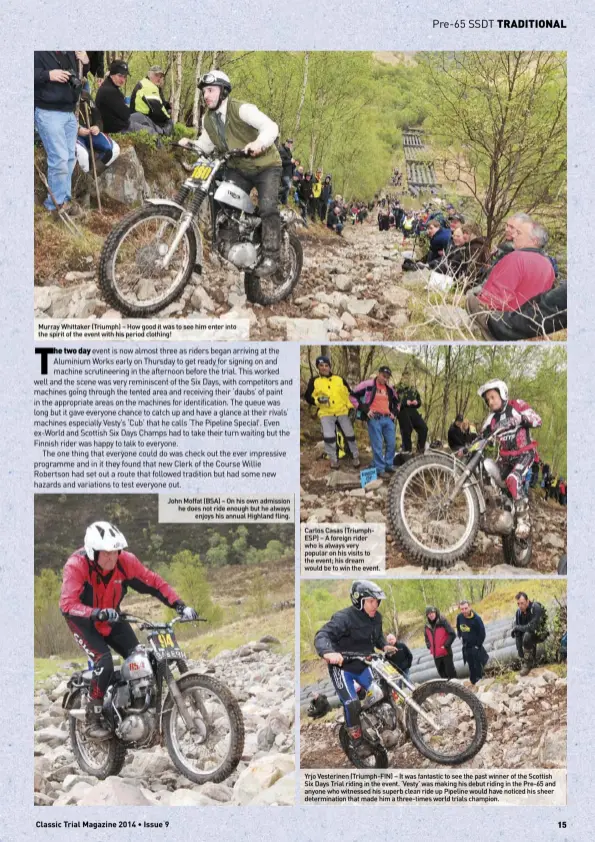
147,624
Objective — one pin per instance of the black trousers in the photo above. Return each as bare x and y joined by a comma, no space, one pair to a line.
121,638
445,666
410,420
266,182
473,658
526,644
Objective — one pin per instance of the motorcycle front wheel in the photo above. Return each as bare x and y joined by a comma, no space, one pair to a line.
214,747
101,759
130,274
429,528
460,720
375,756
277,287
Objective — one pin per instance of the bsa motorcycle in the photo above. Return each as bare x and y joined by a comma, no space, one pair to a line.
445,721
196,716
149,257
438,501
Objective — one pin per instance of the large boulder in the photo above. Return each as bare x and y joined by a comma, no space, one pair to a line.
282,793
125,181
113,792
260,775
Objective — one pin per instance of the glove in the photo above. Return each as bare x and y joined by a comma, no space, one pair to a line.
109,615
185,612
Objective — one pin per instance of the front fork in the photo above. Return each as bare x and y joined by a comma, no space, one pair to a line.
179,700
409,701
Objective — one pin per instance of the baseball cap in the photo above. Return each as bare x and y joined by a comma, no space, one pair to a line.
385,370
119,67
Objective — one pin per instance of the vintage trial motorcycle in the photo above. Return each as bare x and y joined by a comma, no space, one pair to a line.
438,501
196,715
149,257
445,721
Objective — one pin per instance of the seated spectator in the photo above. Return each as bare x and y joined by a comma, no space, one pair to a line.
115,114
147,99
333,219
56,95
105,149
439,243
517,277
541,316
458,437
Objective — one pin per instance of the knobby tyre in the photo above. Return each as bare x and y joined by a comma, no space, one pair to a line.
171,719
99,759
423,740
377,759
266,291
516,552
112,278
408,512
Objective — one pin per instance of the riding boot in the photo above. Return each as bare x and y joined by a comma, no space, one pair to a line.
271,245
357,741
523,521
96,729
528,663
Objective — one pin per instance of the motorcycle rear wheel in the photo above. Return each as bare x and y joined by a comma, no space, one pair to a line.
129,277
517,552
377,759
277,287
418,515
432,697
101,759
221,760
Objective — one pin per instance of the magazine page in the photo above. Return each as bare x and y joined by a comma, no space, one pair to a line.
292,403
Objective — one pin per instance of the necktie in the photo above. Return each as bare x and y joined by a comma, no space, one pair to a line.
220,127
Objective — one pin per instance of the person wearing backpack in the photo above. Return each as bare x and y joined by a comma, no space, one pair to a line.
530,628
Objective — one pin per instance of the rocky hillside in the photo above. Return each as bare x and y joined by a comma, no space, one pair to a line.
352,287
336,497
263,683
526,729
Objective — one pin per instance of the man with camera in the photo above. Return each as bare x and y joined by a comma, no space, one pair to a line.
58,86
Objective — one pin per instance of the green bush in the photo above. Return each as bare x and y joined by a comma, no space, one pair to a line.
187,576
51,635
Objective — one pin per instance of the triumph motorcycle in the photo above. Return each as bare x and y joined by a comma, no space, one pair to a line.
438,501
445,721
196,716
149,257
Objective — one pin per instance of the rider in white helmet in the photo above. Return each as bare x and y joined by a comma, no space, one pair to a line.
517,450
95,580
232,124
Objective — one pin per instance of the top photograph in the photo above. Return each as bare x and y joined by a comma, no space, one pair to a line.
315,196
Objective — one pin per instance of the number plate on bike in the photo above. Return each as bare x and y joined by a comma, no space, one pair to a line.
202,171
165,647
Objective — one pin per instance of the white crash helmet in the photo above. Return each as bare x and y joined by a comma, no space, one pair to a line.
499,385
218,78
102,535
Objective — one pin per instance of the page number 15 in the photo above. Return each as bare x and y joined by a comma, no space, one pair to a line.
561,824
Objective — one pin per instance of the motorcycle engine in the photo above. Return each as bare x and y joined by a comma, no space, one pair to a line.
137,728
498,518
385,716
234,235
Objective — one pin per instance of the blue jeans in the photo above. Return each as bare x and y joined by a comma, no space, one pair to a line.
285,187
382,438
58,131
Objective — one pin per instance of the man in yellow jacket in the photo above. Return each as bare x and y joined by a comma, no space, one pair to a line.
330,394
147,98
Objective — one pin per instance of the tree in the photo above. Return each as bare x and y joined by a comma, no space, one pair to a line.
501,119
